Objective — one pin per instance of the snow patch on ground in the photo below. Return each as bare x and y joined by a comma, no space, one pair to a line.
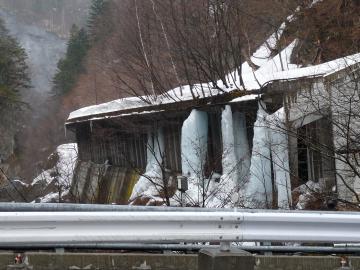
306,193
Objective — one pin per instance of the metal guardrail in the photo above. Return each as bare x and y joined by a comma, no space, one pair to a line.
50,228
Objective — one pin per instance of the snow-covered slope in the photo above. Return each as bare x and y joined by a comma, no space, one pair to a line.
60,175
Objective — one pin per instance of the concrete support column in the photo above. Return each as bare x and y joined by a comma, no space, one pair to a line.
235,259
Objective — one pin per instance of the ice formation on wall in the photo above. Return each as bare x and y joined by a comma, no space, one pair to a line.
280,158
229,159
235,159
222,190
241,148
259,189
149,183
194,139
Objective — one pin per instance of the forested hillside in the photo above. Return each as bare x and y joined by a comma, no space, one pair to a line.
14,81
42,29
152,46
55,16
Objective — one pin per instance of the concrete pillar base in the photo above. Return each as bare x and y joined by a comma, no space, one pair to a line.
235,259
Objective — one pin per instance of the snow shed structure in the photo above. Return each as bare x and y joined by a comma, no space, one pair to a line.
124,142
236,147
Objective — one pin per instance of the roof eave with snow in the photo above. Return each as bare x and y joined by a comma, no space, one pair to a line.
99,112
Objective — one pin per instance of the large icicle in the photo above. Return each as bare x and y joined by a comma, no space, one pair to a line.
235,160
259,188
148,184
194,138
229,159
241,148
222,191
280,158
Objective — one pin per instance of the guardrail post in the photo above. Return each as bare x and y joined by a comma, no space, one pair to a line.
234,259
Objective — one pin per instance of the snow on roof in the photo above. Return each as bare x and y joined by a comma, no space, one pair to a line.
270,69
115,105
245,98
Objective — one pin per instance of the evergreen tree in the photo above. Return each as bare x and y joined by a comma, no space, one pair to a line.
13,68
73,64
97,9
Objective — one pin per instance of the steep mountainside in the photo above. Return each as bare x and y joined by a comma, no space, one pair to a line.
41,27
328,30
325,30
108,74
55,16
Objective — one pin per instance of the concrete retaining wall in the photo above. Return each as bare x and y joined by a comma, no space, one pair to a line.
116,261
298,262
103,261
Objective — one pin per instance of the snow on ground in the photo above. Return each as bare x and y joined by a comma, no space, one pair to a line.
53,196
61,173
306,193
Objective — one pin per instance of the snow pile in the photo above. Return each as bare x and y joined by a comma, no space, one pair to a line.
150,184
306,194
61,174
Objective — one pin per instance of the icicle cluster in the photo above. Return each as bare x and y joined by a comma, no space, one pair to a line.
269,162
149,184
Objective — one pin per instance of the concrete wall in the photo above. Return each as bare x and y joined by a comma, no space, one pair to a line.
100,183
346,119
103,261
112,261
298,262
